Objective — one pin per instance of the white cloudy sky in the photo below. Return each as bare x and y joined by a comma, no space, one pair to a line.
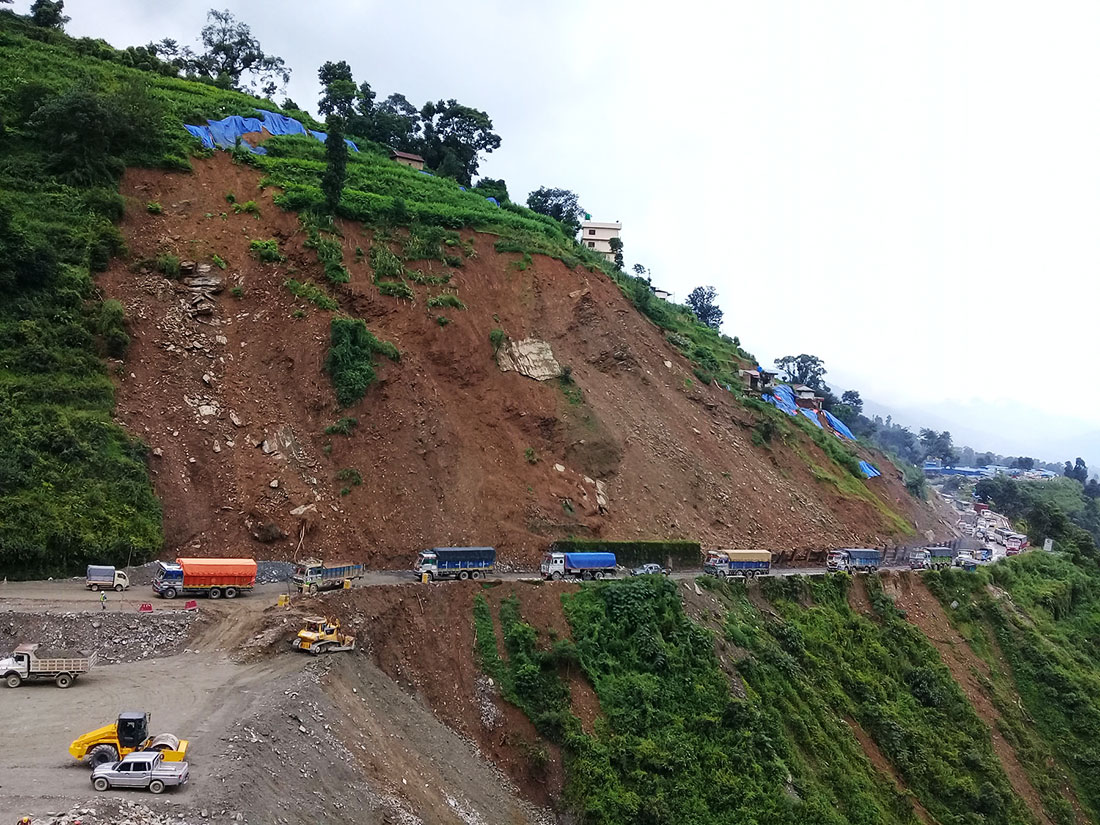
907,190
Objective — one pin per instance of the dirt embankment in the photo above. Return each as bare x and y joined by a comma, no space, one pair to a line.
228,389
423,639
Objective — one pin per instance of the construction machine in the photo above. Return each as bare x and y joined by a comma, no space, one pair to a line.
322,635
129,734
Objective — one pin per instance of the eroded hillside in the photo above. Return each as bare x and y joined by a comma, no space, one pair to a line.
228,387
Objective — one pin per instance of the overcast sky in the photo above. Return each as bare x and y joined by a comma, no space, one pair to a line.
908,190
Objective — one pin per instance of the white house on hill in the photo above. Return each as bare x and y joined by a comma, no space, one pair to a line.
597,235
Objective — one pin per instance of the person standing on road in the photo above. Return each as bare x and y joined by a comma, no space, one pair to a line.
103,600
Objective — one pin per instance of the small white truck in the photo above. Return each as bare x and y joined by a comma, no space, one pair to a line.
29,663
105,577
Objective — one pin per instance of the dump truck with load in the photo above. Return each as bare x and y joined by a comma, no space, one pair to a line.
577,565
455,562
854,560
211,577
313,575
940,558
741,563
105,577
32,663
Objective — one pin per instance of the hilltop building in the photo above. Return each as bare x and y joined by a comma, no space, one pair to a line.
597,235
407,159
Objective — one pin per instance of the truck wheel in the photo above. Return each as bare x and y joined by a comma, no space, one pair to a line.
231,592
215,593
313,590
169,593
63,680
13,680
118,588
598,575
475,575
100,784
156,786
101,755
556,576
431,577
95,588
464,575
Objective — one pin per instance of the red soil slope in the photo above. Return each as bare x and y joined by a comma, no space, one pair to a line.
442,436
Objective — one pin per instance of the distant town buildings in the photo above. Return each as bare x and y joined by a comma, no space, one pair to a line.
597,235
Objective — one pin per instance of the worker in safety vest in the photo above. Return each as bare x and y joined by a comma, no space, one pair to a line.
103,600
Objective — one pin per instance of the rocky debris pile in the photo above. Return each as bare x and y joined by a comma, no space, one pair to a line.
486,692
116,812
270,572
115,636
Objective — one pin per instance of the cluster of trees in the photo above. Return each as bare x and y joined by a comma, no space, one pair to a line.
49,14
449,136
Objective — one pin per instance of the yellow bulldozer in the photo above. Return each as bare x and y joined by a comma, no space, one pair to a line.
321,635
130,733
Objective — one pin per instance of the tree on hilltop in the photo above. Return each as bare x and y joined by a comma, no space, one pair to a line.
493,188
459,132
338,94
49,14
230,54
560,204
804,369
852,399
616,245
1078,471
703,305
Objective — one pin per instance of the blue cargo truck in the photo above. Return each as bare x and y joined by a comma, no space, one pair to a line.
577,565
455,562
854,560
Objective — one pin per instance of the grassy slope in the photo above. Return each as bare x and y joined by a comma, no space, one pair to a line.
1035,620
85,495
676,745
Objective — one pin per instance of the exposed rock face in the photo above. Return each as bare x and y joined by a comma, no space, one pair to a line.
530,357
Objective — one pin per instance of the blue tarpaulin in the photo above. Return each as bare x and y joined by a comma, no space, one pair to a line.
810,414
225,132
868,469
783,397
838,425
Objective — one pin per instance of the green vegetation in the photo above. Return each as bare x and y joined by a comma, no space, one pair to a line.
266,251
350,362
342,427
248,207
772,739
531,456
396,289
384,263
329,252
237,291
442,320
351,476
497,337
153,208
446,299
218,261
1034,620
309,291
168,264
418,277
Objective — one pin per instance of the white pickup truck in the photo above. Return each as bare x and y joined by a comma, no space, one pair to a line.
140,769
29,663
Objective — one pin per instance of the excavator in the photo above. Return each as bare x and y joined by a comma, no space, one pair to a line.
322,635
130,733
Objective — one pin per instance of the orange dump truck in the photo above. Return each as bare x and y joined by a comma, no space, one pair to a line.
210,577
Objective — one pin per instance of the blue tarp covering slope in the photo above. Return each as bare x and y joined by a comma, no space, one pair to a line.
783,397
868,469
838,425
225,132
810,414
